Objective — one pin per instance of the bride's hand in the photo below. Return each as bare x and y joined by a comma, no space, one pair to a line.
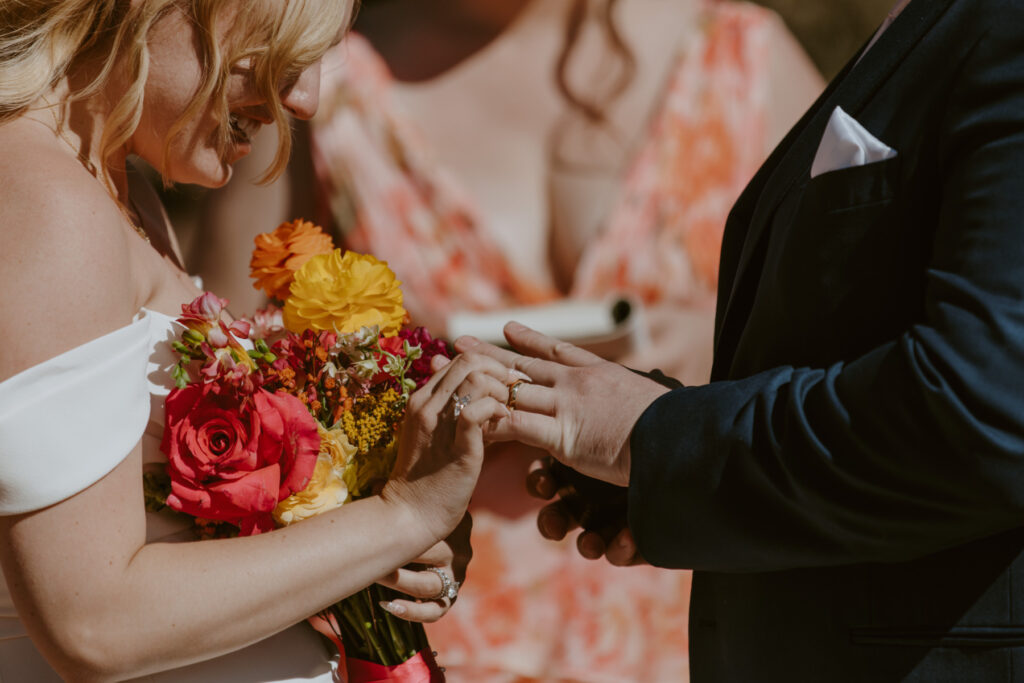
441,444
579,408
420,580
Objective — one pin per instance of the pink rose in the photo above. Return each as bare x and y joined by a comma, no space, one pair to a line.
233,457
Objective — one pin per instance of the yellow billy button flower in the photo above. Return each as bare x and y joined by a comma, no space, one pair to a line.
343,294
329,487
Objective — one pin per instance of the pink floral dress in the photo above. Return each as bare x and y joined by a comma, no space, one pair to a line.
531,609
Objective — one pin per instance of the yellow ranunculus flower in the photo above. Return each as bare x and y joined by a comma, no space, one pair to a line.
329,487
344,293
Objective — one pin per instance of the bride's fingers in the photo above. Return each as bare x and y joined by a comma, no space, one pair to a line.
423,612
424,584
469,427
438,362
478,385
538,370
437,392
416,583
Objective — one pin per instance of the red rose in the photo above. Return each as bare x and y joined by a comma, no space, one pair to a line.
393,345
233,458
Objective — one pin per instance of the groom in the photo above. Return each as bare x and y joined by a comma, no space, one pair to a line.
850,486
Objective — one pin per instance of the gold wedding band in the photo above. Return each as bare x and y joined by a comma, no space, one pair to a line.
513,393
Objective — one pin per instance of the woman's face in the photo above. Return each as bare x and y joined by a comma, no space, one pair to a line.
197,155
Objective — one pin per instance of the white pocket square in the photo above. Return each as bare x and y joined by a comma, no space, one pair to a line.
845,144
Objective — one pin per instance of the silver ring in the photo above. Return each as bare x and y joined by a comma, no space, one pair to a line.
449,586
460,403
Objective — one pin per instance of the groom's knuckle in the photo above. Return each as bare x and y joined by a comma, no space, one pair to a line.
474,360
562,350
524,363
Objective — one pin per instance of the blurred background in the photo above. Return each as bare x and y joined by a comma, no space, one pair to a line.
830,31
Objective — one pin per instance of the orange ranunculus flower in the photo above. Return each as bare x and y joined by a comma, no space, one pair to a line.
343,294
280,253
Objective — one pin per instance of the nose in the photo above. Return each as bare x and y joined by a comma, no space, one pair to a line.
302,98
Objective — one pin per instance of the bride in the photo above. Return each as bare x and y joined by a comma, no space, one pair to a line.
92,279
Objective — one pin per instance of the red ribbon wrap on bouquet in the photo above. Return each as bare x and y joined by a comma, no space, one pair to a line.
419,669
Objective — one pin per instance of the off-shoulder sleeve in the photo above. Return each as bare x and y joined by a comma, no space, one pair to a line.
68,421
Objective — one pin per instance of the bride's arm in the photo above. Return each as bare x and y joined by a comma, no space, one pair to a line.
101,604
98,601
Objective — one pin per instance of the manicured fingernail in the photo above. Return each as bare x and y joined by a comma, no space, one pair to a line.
467,342
515,375
513,326
393,608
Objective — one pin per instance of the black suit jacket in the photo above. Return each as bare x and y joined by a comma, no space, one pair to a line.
850,486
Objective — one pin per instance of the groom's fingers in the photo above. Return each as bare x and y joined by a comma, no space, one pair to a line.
554,521
533,343
539,482
590,545
622,551
531,429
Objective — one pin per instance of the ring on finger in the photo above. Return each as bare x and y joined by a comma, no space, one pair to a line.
513,393
449,586
460,402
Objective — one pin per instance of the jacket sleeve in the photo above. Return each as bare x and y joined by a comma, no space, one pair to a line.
916,446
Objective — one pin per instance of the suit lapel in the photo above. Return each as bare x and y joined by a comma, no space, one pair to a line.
851,90
740,217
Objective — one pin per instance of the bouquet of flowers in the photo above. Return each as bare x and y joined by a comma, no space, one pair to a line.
295,412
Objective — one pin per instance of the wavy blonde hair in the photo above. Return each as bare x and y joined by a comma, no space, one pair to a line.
42,40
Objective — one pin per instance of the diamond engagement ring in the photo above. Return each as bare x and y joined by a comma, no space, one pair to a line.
460,403
449,586
513,393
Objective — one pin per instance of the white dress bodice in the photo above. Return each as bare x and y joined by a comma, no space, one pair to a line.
109,394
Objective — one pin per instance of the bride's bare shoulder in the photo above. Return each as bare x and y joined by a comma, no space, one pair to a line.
64,259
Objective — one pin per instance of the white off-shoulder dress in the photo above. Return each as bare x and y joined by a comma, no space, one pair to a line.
109,393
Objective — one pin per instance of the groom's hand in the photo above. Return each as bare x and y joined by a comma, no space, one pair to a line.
604,533
577,406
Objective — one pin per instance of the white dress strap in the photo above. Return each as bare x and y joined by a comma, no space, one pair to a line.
68,421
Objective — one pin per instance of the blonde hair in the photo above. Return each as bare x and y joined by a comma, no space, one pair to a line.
40,41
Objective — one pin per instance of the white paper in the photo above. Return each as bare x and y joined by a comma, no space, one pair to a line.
568,319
